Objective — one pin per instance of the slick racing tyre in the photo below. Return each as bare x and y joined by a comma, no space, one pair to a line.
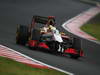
53,45
22,35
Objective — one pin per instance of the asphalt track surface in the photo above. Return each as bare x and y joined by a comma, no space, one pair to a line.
13,12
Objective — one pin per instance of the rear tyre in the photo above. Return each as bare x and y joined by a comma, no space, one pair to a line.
22,35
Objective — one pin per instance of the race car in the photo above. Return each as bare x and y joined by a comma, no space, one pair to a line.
42,33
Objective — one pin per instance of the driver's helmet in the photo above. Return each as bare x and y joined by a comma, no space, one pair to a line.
52,27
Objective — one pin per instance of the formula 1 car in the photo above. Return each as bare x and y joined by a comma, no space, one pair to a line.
45,35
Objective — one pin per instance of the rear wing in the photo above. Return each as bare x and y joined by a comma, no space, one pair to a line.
43,20
50,20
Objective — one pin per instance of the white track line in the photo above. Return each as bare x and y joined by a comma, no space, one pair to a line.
38,61
73,25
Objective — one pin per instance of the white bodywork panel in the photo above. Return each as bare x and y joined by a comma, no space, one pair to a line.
57,36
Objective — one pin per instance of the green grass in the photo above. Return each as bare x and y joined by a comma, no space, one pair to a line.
11,67
93,27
